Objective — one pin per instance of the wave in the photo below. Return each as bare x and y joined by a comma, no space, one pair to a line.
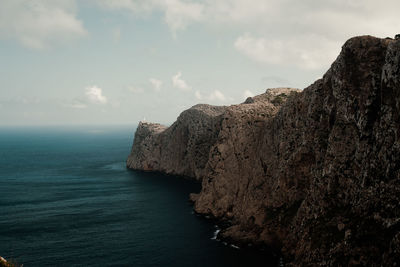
215,235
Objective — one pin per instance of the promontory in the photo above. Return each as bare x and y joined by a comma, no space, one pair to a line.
314,173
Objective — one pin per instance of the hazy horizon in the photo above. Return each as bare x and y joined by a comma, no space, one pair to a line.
75,62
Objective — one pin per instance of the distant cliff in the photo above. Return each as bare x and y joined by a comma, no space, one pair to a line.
315,173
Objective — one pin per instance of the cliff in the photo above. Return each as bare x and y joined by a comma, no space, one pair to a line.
182,148
314,173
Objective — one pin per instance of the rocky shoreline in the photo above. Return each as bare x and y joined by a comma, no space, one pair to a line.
313,173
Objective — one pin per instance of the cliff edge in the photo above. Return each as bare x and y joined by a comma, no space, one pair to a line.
314,173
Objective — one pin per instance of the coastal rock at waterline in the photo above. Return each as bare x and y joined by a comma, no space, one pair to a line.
315,173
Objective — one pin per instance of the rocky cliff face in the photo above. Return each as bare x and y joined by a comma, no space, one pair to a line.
314,173
182,148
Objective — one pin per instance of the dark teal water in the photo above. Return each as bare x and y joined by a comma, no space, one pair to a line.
66,199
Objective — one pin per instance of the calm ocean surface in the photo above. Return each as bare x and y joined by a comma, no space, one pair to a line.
66,199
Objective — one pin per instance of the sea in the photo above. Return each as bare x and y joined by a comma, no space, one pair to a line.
67,199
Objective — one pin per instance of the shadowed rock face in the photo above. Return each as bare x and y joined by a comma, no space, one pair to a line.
182,148
314,173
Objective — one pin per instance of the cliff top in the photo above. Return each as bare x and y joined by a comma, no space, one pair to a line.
209,110
152,127
272,97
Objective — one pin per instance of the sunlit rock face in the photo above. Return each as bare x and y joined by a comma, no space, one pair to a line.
314,173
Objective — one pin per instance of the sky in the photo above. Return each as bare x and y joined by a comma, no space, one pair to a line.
90,62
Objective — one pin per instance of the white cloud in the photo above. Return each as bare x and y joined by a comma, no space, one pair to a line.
247,94
179,83
40,24
215,96
198,95
307,34
308,52
156,84
136,6
178,14
329,17
95,95
76,105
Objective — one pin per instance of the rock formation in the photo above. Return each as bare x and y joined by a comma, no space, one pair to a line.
181,149
314,173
